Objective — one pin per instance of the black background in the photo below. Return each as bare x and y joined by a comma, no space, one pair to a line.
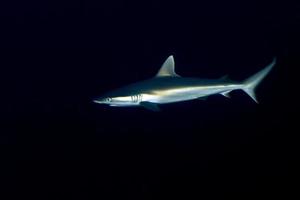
56,56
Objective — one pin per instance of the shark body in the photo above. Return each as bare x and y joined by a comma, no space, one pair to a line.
169,87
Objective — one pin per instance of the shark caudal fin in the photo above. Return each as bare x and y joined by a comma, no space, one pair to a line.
250,83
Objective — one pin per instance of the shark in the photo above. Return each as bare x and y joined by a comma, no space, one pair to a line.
169,87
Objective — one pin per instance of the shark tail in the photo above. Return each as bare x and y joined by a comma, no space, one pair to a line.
249,85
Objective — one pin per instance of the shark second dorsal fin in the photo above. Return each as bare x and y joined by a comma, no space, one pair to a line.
168,68
225,77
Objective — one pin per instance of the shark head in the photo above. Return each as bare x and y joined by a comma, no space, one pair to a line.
131,96
139,94
119,100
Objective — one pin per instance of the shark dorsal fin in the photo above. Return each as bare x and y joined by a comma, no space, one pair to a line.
168,68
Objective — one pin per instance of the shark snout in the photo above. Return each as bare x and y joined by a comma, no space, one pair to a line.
98,101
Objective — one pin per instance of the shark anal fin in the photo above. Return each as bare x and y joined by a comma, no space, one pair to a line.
226,94
150,106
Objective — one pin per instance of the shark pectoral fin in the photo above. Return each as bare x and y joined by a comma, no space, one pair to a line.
226,94
150,106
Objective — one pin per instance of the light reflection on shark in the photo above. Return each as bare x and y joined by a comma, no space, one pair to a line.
169,87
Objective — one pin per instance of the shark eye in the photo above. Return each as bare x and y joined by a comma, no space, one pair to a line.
108,99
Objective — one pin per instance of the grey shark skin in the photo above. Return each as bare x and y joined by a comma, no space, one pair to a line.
169,87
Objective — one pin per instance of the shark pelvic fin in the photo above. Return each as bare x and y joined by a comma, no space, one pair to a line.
168,68
150,106
202,98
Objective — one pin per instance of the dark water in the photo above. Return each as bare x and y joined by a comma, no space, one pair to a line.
56,56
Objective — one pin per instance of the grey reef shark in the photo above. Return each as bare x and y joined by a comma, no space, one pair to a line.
169,87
